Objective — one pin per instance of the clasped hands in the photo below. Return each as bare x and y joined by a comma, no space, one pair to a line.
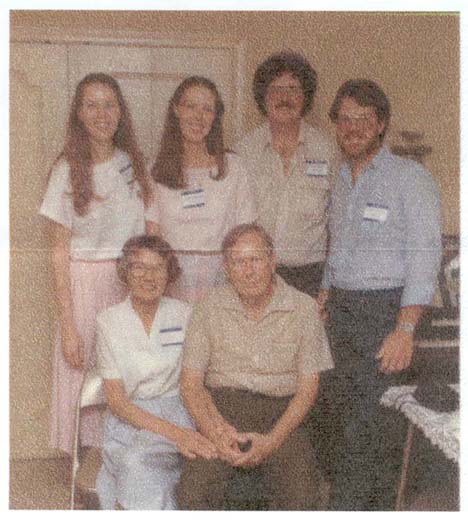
242,449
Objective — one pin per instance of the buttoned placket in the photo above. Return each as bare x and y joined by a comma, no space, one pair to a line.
282,217
353,215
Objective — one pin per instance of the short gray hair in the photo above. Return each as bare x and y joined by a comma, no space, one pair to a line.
232,237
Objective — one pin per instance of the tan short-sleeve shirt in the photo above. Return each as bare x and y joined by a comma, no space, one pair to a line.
266,356
293,208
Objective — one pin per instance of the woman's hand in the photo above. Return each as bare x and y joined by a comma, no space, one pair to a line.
72,346
193,444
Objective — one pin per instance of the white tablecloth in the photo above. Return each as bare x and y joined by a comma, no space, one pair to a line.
442,429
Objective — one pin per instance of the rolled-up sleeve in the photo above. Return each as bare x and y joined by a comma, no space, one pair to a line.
423,250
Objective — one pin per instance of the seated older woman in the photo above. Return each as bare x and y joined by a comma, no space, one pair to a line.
139,344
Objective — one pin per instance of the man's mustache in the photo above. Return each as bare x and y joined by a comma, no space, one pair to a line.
285,104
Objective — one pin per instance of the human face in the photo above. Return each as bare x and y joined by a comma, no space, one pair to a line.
147,277
250,268
358,130
284,99
196,112
99,113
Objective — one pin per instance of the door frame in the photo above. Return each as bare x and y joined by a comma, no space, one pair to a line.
106,37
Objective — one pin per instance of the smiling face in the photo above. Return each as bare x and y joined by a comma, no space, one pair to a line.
99,113
358,130
147,277
250,268
284,100
196,113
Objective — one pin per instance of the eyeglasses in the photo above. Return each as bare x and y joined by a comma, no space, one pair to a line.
139,269
255,261
361,122
276,90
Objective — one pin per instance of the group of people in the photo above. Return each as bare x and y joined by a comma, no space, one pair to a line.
225,295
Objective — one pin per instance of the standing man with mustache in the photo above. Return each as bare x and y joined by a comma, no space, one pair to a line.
292,166
381,270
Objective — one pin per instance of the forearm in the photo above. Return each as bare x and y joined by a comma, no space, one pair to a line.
201,407
410,314
60,259
129,412
298,408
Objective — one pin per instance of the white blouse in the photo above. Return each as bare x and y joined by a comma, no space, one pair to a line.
197,218
148,365
111,220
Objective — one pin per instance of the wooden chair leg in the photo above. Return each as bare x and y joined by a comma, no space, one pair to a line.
405,467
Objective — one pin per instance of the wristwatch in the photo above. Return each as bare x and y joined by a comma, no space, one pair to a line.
407,327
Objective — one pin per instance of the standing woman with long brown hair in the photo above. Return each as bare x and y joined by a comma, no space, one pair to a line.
95,200
202,191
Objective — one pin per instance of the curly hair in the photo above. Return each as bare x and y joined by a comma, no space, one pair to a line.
367,94
151,243
285,62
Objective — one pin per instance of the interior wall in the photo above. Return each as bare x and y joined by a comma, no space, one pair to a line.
414,57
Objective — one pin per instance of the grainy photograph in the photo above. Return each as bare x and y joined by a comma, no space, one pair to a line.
234,259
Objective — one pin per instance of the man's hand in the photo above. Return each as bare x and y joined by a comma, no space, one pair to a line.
321,300
227,439
396,352
262,446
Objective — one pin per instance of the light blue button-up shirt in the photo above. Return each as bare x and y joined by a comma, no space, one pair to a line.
385,231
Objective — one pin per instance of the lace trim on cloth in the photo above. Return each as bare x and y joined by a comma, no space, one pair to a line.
442,429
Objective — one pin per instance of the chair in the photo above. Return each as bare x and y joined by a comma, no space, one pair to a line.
84,472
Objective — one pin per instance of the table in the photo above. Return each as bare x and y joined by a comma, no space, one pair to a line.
442,429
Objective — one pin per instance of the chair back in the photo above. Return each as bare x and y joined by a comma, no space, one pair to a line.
91,394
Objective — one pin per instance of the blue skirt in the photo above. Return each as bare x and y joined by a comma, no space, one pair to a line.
141,469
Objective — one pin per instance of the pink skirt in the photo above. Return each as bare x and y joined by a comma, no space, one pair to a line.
200,273
95,286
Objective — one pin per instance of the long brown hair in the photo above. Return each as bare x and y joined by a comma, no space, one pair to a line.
77,148
168,168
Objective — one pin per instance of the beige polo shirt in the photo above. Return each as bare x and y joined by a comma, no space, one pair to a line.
293,208
265,356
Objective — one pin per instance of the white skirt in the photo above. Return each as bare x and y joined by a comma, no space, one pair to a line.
140,469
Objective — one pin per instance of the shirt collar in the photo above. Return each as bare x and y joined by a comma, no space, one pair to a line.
268,139
376,164
281,300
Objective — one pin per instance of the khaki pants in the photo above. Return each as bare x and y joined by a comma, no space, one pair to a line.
290,475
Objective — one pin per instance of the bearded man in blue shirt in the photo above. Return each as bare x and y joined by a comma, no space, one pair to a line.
381,270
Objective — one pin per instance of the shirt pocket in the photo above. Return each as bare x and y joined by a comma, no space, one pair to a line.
375,221
311,199
279,358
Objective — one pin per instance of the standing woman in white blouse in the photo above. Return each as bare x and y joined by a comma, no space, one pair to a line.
202,191
95,201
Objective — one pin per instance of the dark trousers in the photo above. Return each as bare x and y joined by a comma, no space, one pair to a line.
367,439
290,476
306,278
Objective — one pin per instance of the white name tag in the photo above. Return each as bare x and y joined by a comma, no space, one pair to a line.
316,168
171,336
376,213
193,198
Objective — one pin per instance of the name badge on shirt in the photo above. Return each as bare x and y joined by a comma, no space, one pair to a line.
376,213
316,167
193,198
171,336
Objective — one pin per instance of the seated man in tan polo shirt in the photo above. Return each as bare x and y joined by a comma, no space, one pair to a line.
252,356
